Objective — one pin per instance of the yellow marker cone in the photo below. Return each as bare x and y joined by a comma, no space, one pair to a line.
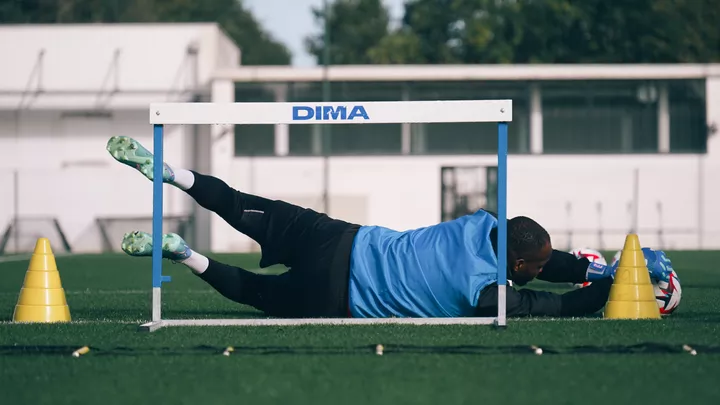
42,297
632,295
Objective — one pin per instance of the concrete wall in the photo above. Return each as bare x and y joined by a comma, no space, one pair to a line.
53,161
404,192
65,172
145,61
58,167
62,168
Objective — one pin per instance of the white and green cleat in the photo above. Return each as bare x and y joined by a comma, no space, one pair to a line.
130,152
137,244
140,244
174,247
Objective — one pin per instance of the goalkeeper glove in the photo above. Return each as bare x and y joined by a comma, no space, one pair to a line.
658,264
596,271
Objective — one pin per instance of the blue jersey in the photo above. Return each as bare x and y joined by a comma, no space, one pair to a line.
437,271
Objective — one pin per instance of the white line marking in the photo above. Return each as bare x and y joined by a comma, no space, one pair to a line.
324,321
14,258
26,257
122,292
85,322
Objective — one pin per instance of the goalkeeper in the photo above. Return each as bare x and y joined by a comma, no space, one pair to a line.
339,269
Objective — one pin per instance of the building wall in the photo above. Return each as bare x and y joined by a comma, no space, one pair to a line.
147,62
72,86
52,166
53,163
675,193
404,193
64,171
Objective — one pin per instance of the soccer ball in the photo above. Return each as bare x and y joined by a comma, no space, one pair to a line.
591,254
667,293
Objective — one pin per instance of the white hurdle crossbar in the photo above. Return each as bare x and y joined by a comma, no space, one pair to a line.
395,112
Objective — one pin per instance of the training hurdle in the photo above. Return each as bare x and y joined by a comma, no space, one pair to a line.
386,112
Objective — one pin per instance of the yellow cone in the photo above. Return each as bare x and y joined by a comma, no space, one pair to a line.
632,295
42,297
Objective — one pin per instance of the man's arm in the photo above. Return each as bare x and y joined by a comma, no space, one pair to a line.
564,267
526,302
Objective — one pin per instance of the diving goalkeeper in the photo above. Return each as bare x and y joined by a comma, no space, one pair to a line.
338,269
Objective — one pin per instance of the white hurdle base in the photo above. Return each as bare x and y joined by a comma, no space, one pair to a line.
153,326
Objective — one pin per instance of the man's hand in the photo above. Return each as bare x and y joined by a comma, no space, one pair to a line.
596,271
658,264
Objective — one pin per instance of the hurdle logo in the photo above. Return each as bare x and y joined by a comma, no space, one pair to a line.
329,113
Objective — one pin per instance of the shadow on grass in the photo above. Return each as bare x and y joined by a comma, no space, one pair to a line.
637,349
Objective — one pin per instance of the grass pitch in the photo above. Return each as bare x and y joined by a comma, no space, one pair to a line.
585,361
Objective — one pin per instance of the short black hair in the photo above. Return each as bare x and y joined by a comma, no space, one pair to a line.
525,236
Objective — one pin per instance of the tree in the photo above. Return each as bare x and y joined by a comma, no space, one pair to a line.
647,31
258,48
355,27
401,47
433,22
547,31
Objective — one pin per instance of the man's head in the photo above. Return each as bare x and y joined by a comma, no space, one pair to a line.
529,248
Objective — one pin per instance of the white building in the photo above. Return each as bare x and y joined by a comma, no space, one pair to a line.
596,151
64,90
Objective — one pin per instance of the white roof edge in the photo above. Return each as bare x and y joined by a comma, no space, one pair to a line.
470,72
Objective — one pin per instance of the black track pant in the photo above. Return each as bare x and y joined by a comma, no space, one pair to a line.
315,248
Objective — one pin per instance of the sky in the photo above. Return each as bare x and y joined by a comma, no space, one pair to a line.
290,21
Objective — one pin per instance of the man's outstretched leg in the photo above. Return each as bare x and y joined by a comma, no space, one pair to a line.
314,246
275,295
282,229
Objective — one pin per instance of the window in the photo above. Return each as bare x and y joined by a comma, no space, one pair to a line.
596,116
479,137
600,117
345,139
688,121
254,140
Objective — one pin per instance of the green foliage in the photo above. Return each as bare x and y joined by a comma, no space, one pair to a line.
399,47
433,23
529,31
257,47
437,31
354,26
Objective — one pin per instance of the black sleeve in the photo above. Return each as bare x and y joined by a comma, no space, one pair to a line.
527,302
564,267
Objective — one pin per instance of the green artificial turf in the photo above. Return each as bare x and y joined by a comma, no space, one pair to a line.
585,361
